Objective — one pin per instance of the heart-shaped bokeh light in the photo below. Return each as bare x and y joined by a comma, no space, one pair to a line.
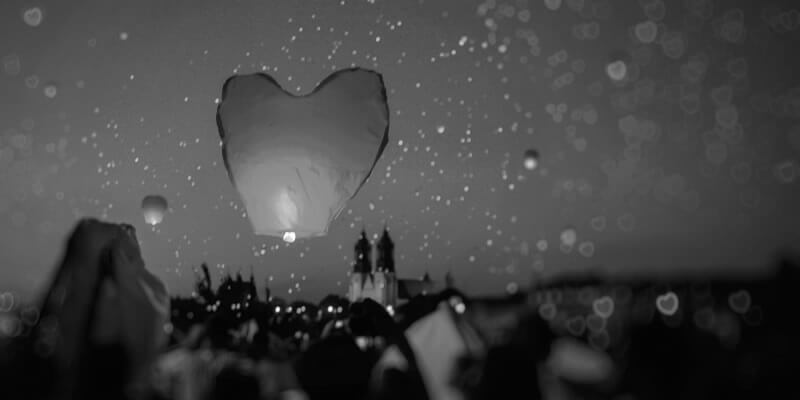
667,303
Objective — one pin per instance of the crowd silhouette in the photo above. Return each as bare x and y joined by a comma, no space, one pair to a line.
103,330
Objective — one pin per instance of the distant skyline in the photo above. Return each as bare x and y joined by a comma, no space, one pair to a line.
666,132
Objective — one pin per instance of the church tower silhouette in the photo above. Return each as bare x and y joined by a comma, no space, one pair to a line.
385,259
379,284
363,256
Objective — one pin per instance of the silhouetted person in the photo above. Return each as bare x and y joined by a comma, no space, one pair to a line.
101,321
510,369
334,368
233,383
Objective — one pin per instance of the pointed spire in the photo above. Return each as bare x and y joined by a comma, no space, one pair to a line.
385,260
385,235
363,249
252,285
206,275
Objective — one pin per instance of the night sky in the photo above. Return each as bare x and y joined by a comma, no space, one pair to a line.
666,131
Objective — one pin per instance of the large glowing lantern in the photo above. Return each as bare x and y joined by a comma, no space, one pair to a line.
297,160
153,209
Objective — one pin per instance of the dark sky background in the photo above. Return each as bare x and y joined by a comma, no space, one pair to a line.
689,163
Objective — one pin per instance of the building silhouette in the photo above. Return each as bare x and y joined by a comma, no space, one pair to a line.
381,282
385,260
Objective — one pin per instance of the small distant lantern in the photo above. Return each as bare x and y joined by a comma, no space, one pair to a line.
531,159
153,209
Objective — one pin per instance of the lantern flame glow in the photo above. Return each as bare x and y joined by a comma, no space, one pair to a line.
153,217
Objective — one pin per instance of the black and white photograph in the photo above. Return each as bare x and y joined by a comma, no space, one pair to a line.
399,199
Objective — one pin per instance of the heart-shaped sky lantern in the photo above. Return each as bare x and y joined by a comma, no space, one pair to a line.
297,160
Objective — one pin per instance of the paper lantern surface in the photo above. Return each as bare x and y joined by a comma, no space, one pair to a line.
297,160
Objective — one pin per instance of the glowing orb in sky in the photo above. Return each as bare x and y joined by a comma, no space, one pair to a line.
289,237
51,90
569,237
33,16
297,160
153,209
617,70
646,32
552,5
12,64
